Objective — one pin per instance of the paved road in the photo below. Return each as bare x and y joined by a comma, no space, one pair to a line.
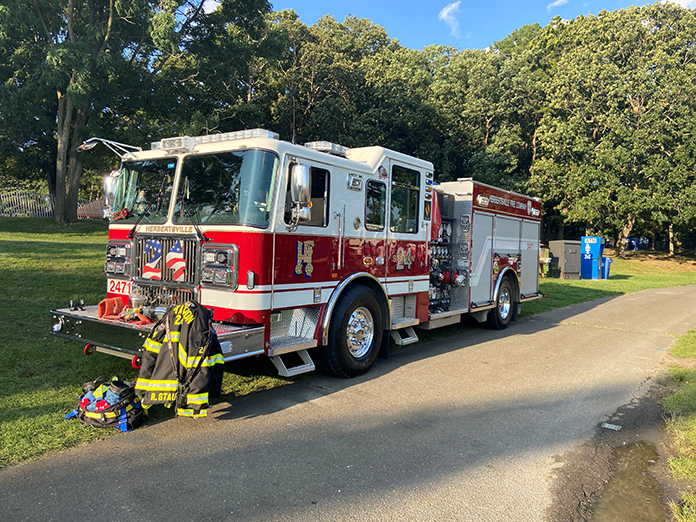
465,429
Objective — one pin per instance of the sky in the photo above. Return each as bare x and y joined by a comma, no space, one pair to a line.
465,24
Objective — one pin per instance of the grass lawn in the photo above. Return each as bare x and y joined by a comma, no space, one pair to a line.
680,410
44,266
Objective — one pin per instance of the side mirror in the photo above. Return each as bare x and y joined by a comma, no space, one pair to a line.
300,194
300,190
110,184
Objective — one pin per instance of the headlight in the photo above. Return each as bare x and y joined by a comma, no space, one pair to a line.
118,258
221,277
220,266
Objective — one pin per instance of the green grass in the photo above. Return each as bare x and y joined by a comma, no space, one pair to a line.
686,510
44,266
626,276
680,410
686,346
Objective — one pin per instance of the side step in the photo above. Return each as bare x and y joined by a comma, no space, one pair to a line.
284,371
409,336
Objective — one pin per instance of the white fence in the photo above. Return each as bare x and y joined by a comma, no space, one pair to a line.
22,203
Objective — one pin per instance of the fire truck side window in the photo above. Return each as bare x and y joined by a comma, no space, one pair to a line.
375,203
404,200
319,181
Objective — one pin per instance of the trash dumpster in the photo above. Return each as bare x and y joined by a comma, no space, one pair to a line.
606,266
592,248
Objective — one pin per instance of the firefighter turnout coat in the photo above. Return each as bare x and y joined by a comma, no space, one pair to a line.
182,361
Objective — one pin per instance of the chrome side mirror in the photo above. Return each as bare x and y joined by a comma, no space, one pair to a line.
300,189
110,184
301,195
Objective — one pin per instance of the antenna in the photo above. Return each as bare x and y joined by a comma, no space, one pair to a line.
293,119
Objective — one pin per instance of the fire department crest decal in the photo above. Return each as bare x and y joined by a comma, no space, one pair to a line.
303,260
404,258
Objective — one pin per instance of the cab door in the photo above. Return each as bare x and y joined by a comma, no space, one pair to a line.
305,252
374,242
406,238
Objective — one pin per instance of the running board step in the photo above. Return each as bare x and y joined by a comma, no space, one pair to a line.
409,336
284,371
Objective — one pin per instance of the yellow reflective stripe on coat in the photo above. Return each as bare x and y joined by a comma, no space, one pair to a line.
152,346
197,398
188,412
155,385
214,359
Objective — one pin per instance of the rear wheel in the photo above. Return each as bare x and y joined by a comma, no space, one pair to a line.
500,316
355,335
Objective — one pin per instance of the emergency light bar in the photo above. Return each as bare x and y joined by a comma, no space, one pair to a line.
187,143
327,146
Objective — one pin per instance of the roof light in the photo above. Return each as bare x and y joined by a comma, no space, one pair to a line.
186,143
327,146
182,143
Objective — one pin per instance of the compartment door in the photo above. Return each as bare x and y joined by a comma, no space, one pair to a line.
481,258
530,258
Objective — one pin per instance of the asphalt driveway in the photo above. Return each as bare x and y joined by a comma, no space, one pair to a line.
465,429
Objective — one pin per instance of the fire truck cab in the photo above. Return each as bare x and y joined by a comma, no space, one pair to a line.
318,251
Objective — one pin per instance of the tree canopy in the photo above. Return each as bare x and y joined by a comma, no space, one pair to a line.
594,115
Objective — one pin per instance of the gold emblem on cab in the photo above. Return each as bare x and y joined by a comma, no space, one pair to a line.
305,249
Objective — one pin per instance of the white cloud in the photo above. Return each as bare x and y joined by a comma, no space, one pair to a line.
448,15
689,4
210,5
556,3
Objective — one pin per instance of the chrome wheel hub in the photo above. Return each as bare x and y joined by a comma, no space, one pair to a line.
360,332
504,303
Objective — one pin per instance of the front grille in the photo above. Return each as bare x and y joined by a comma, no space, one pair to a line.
167,259
148,295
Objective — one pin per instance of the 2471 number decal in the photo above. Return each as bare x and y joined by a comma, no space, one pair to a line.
119,287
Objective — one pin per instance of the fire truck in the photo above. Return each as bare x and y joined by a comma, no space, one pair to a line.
309,255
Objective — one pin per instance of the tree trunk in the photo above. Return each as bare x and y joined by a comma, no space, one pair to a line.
74,173
671,240
63,123
70,132
624,233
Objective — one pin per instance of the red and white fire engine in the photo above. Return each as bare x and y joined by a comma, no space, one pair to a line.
314,253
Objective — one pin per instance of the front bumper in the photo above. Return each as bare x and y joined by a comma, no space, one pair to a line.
126,340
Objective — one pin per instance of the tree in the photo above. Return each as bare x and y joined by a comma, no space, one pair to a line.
89,61
487,102
614,139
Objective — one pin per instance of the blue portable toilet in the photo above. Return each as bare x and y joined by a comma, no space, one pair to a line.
592,250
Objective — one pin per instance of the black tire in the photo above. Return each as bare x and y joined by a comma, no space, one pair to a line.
500,316
357,316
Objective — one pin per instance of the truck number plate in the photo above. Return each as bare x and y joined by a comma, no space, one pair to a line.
119,287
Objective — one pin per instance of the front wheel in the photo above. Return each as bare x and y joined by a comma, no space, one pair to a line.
500,316
355,335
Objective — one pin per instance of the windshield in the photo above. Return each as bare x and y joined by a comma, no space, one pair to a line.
138,192
230,187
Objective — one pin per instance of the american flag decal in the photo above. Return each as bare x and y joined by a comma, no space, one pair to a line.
176,261
153,254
